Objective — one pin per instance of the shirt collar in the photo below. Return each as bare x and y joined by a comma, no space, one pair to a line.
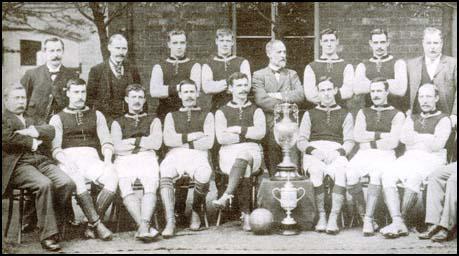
235,105
383,107
274,68
384,58
195,108
330,108
430,61
74,110
221,58
53,70
132,115
430,113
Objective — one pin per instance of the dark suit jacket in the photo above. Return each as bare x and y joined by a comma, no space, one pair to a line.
39,87
445,79
15,145
100,88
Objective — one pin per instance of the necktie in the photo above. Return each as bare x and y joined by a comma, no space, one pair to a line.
53,75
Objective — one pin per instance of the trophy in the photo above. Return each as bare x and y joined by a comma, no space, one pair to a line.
288,200
286,135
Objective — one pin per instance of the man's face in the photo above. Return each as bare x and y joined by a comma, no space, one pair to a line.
118,49
188,95
77,95
177,44
135,101
378,93
16,101
329,44
327,93
224,45
379,44
427,98
54,52
278,55
240,89
432,44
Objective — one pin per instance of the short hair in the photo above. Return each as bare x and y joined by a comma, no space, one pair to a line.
431,84
174,33
116,36
381,80
236,76
12,87
325,78
328,31
378,31
187,81
224,32
53,39
134,87
432,30
269,45
74,81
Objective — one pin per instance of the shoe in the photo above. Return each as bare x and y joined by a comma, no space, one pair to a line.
169,230
221,202
195,221
89,233
441,236
429,233
322,223
246,222
332,225
368,228
50,245
103,232
395,230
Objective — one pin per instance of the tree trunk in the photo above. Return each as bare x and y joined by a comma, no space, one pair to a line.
99,21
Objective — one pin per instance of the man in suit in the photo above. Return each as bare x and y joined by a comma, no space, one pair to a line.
108,80
273,85
26,165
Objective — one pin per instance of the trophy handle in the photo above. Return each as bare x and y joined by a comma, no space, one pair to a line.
304,193
274,195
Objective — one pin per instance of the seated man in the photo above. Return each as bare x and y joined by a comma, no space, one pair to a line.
425,137
80,131
377,129
239,126
189,133
441,205
25,164
136,136
325,138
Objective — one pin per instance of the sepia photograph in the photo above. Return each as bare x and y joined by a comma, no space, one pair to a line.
229,127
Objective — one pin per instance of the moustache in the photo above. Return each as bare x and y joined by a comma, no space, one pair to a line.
21,108
121,55
376,98
56,58
137,105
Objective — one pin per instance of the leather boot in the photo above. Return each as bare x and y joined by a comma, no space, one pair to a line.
397,227
337,203
104,200
167,197
431,231
199,198
87,206
320,200
372,198
410,198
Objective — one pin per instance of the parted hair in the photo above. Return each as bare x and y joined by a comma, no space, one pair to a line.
328,31
134,87
381,80
74,81
236,76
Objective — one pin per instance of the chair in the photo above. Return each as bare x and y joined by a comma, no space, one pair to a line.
21,196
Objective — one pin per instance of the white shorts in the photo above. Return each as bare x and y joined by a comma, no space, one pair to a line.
340,162
185,160
371,161
142,164
229,153
88,162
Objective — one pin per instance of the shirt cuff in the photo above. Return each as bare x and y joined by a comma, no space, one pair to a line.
309,150
341,151
34,145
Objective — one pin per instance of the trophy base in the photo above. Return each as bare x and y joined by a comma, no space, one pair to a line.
289,230
286,173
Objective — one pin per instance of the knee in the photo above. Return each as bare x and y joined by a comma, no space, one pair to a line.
167,171
352,176
245,156
203,174
375,177
44,184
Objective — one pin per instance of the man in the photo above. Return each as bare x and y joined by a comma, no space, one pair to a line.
136,137
80,132
189,134
441,206
329,64
382,64
273,85
167,74
240,126
377,130
108,80
435,68
45,84
325,138
425,136
218,68
26,165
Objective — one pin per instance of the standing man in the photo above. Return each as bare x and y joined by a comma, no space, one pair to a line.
189,133
329,65
240,126
25,165
273,85
377,130
384,65
425,137
108,80
167,74
45,84
325,138
136,137
217,69
80,133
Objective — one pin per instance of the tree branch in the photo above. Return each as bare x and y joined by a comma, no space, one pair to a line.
83,13
117,13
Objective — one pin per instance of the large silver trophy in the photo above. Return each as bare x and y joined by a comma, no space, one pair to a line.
286,135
